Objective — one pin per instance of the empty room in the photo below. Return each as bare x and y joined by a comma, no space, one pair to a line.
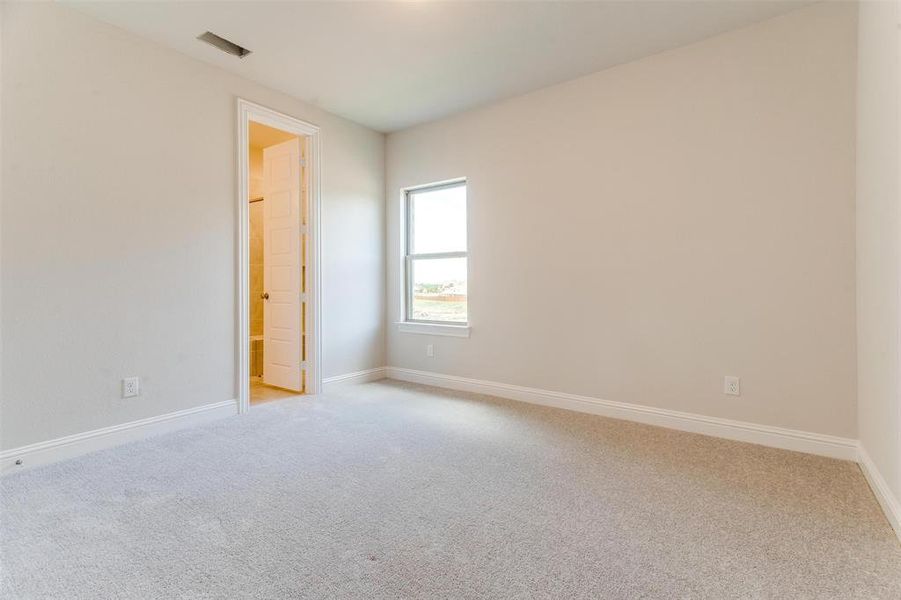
450,299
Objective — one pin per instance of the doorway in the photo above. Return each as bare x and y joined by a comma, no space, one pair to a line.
278,256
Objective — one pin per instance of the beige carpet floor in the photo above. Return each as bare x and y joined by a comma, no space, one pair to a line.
390,490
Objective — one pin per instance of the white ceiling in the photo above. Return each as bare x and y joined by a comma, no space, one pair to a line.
390,65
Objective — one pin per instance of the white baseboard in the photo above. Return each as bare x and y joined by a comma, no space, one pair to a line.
765,435
357,377
777,437
70,446
887,500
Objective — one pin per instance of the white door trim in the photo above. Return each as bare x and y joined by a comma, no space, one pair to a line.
249,111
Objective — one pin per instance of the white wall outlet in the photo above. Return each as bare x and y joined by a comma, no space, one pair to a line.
131,387
430,350
732,386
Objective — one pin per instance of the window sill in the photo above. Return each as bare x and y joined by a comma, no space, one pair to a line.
434,329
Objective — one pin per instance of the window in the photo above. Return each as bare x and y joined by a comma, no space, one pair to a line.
435,255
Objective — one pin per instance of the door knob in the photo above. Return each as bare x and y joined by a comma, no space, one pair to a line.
264,295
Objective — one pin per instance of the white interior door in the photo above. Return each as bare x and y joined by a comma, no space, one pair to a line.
282,266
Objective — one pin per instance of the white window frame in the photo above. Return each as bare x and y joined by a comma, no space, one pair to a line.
408,324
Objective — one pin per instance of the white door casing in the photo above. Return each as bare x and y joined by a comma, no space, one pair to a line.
282,266
311,139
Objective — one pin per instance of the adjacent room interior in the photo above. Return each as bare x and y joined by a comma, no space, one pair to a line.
277,271
450,299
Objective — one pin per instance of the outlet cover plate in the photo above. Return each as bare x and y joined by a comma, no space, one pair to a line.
131,387
732,386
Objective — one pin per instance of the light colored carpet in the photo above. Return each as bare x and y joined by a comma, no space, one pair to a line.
390,490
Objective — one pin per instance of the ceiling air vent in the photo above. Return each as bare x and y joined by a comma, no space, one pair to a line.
223,44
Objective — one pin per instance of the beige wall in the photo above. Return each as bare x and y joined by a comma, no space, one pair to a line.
255,166
2,85
256,268
119,221
879,238
639,233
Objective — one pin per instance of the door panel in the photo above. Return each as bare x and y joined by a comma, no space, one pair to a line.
282,266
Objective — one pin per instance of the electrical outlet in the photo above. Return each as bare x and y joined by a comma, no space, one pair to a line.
732,386
430,350
131,387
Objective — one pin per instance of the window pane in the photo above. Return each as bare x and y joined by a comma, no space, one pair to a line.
439,220
439,289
